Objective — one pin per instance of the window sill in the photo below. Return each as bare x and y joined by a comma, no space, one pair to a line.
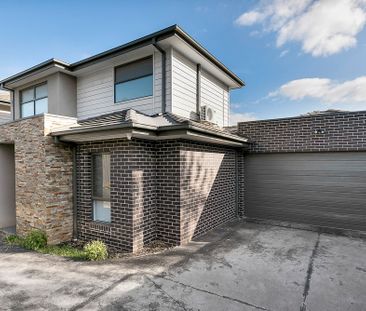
133,100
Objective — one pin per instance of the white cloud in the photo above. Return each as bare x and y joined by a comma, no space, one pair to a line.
323,27
283,53
236,117
326,91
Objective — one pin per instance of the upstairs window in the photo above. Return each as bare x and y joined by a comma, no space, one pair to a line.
134,80
34,101
101,187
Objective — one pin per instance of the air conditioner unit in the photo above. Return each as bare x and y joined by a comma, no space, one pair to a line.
207,114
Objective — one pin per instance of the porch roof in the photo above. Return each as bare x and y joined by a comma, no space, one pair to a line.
130,123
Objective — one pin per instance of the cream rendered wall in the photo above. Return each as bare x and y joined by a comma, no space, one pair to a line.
7,186
61,94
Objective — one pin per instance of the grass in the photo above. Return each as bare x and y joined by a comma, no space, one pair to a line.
63,250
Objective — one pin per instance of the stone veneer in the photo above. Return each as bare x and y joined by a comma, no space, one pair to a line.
43,181
168,190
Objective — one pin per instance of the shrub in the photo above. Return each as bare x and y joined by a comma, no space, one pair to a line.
36,239
95,250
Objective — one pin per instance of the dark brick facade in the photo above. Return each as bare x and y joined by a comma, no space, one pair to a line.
168,190
133,194
344,131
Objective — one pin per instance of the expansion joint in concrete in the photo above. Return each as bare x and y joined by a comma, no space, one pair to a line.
309,273
217,295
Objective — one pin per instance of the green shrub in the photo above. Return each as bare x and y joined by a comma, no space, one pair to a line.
95,250
36,239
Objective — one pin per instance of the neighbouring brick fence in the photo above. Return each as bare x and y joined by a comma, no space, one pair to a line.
168,190
340,131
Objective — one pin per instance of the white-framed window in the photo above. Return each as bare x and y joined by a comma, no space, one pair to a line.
34,100
101,176
133,80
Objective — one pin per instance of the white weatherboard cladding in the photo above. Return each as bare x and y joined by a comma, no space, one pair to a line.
5,117
95,92
214,94
184,86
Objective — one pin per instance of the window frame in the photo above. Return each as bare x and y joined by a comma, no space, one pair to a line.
96,198
129,63
34,87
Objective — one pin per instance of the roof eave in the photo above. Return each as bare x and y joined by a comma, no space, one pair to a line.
150,129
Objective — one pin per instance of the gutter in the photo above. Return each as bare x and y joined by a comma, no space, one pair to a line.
159,131
163,75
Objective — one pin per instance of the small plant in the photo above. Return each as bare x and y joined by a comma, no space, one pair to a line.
95,250
13,240
36,239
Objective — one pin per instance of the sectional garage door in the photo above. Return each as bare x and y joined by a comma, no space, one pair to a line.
326,189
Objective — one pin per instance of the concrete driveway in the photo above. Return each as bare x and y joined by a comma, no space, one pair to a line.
241,266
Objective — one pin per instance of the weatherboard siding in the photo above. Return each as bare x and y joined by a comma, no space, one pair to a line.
215,95
184,88
5,117
95,92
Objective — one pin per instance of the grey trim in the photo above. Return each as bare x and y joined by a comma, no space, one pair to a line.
198,91
46,64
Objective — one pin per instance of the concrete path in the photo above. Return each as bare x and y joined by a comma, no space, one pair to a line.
241,266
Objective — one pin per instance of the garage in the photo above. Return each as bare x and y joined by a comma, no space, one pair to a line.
323,189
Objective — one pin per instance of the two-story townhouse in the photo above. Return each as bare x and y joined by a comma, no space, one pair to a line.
127,146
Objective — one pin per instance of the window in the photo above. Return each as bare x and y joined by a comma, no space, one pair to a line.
34,101
134,80
101,187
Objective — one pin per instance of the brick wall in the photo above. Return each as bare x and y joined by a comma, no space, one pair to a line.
43,183
133,194
328,132
207,188
169,190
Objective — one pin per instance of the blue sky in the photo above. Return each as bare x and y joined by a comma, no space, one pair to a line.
295,56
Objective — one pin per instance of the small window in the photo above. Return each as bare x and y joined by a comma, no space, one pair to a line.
101,187
34,101
134,80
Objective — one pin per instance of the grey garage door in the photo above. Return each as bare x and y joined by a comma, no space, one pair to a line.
326,189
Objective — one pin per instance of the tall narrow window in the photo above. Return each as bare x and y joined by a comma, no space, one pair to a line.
101,187
134,80
34,101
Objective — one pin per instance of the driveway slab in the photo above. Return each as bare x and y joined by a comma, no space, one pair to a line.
241,266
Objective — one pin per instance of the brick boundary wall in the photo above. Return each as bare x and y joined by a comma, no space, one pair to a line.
342,131
169,190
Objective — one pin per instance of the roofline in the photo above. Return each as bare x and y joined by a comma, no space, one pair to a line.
134,125
322,115
45,64
138,43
